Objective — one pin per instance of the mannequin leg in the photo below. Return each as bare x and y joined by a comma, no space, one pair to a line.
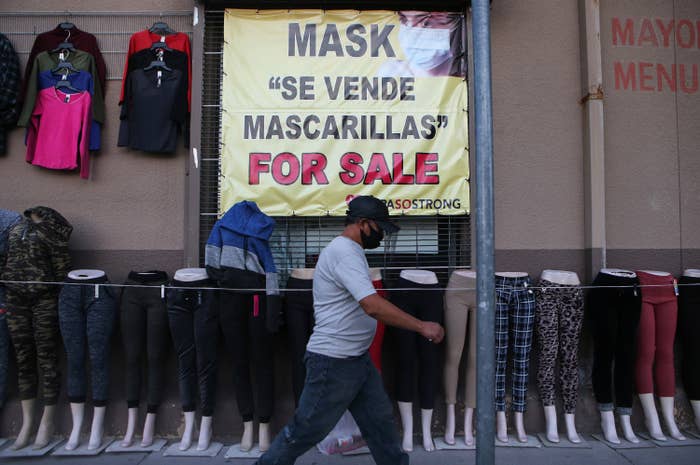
264,436
571,428
77,410
28,409
247,439
501,426
696,410
426,417
133,414
46,427
520,427
406,411
204,433
667,413
550,420
98,427
187,435
651,417
627,429
468,430
450,424
149,427
607,424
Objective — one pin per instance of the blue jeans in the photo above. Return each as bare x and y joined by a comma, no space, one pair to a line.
4,349
332,386
87,323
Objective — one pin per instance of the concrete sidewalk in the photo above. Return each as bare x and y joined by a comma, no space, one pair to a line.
598,452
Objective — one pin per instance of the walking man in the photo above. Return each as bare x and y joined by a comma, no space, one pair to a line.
339,372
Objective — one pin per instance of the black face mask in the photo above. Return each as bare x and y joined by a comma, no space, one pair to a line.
371,240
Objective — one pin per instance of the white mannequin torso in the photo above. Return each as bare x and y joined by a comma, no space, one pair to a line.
191,274
568,278
419,276
302,273
619,272
375,274
466,273
657,273
511,274
692,273
85,274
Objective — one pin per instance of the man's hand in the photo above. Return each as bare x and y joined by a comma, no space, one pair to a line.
432,331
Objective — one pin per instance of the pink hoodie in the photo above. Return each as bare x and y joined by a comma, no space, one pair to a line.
59,131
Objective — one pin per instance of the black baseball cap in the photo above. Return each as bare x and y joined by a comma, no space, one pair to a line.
370,207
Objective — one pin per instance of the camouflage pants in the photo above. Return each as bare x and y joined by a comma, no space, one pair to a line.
33,324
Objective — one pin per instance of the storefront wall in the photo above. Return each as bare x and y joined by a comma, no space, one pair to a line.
131,213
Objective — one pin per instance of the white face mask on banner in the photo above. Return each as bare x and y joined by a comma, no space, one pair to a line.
425,48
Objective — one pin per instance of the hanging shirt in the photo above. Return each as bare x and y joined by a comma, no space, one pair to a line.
9,87
81,40
82,80
175,59
45,61
144,39
153,112
59,130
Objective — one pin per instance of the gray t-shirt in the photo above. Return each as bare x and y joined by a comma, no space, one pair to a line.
341,280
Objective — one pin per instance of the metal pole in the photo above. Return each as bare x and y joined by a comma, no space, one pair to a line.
485,277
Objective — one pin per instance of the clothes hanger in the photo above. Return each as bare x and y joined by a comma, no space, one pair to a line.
67,65
157,64
161,27
66,25
66,44
65,84
160,46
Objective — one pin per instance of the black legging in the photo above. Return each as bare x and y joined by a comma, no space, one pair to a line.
299,316
144,328
426,304
615,313
194,324
247,339
688,327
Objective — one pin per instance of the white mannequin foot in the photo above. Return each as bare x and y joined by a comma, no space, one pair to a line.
501,427
406,411
247,439
188,434
450,424
24,435
696,410
204,434
149,428
627,431
520,427
98,427
571,432
46,428
132,416
426,417
667,413
468,429
651,417
550,420
77,411
264,436
607,424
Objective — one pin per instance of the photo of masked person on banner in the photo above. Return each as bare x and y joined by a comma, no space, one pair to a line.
432,43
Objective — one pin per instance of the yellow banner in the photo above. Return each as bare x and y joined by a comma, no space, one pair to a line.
319,107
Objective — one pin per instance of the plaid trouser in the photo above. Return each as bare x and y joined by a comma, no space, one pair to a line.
515,314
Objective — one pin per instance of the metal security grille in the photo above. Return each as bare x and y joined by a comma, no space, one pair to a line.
437,243
111,28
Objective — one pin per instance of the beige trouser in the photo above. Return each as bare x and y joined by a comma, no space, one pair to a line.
460,309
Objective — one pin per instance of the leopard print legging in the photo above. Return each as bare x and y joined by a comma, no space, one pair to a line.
558,321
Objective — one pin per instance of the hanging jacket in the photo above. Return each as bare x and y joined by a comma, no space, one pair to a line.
9,89
238,255
37,252
7,220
